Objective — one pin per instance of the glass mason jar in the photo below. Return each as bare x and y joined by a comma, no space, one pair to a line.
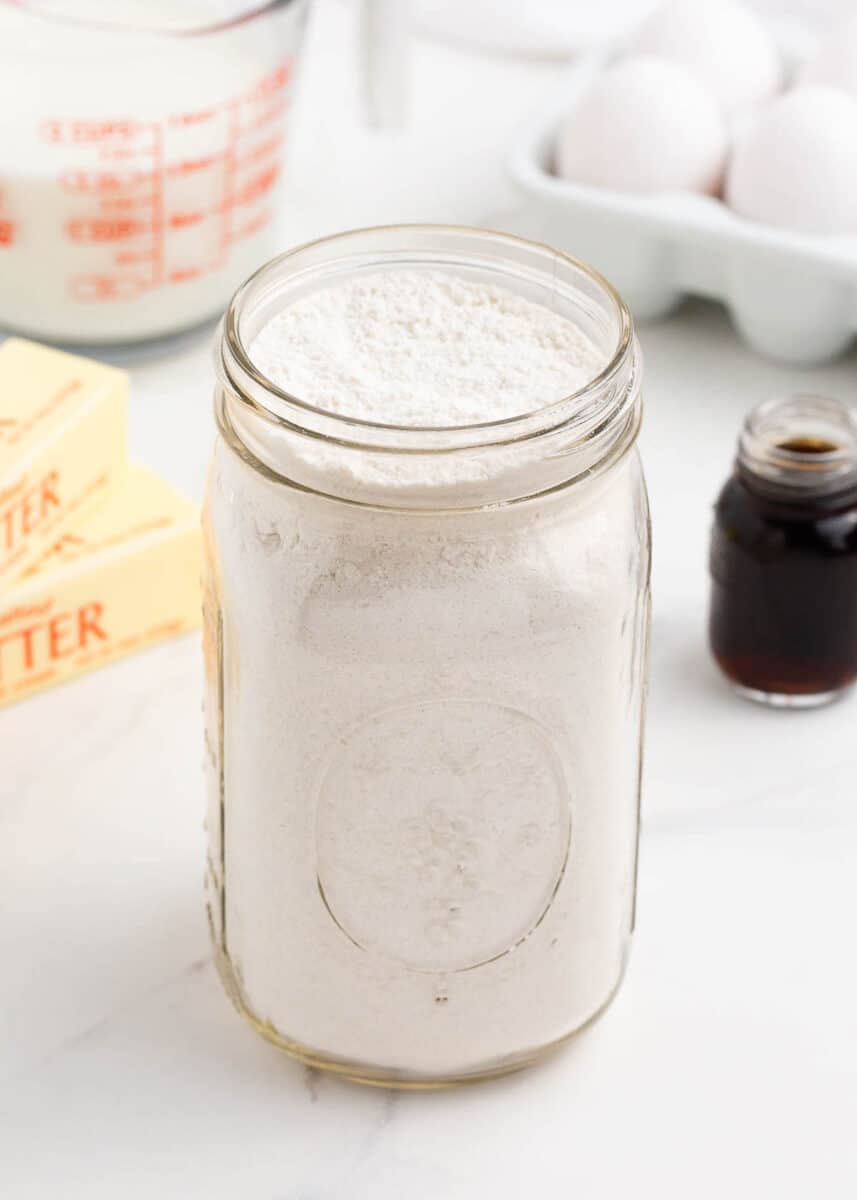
426,663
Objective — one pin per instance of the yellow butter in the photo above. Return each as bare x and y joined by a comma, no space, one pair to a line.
121,580
62,441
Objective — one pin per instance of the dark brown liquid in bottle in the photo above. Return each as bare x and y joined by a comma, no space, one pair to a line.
784,586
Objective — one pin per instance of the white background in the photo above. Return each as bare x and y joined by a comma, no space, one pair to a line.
728,1064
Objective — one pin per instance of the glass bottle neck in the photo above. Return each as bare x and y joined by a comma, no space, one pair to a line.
798,449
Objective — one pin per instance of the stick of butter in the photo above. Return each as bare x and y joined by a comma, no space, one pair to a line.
62,440
124,578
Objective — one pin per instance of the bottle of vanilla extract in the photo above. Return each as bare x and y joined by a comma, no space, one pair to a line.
783,618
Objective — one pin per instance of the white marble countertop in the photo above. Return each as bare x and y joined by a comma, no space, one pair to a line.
727,1065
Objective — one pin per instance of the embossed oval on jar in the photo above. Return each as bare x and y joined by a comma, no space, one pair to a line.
443,832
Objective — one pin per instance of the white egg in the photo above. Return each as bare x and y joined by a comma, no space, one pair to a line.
796,165
726,46
643,125
835,61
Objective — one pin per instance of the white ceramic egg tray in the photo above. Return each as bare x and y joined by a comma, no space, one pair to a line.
792,296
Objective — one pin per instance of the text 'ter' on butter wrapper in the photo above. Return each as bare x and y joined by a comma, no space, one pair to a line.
62,441
122,580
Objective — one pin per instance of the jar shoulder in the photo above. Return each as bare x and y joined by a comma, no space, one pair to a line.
329,572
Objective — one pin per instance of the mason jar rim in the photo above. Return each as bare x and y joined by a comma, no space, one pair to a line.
589,407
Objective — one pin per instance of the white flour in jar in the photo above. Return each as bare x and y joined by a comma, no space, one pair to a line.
431,749
424,348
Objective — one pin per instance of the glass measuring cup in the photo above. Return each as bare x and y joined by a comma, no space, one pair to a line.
140,160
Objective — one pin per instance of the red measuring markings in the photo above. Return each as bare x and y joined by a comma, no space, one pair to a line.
192,118
266,149
124,153
265,118
113,204
126,189
7,225
94,288
181,220
257,186
258,222
84,132
189,165
230,167
102,182
275,81
134,258
104,229
158,204
132,183
183,274
272,113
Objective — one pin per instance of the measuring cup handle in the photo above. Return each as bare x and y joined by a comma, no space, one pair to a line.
386,61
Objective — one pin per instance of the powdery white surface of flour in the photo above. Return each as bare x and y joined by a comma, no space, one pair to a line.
430,763
398,348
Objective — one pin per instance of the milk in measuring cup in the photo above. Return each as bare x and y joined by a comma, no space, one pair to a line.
139,173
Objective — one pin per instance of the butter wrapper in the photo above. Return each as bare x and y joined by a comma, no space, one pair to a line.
62,443
123,579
